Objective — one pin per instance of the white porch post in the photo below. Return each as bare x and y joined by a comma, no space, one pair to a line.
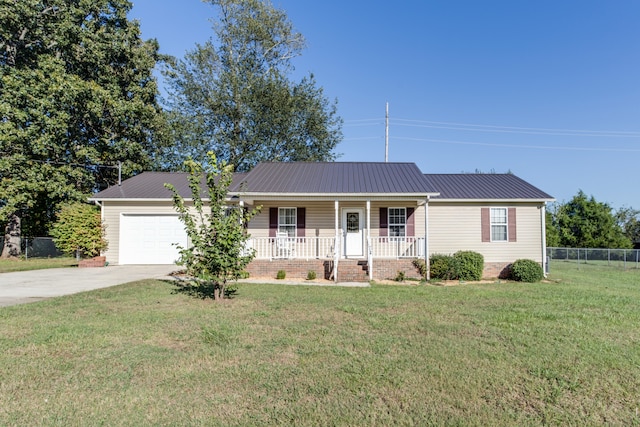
337,244
369,254
426,238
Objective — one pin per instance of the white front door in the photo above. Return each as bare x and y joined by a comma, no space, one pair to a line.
352,224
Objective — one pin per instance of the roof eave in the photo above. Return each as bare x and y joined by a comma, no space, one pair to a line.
519,200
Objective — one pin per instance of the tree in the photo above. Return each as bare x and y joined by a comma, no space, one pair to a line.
232,95
629,220
216,230
79,230
77,95
552,233
586,223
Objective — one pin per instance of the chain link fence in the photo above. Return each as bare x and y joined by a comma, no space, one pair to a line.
37,247
620,258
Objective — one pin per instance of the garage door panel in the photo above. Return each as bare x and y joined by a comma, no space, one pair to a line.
150,239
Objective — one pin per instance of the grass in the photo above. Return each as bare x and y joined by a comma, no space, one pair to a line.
20,264
564,352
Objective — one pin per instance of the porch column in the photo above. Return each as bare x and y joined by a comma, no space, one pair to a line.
369,253
426,238
336,250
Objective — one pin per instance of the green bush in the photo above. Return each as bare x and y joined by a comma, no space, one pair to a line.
442,267
400,276
526,270
469,265
421,266
79,230
281,274
311,275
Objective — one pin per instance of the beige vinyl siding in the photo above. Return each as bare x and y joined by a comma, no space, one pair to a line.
457,226
320,216
112,212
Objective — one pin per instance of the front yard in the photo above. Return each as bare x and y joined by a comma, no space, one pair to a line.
9,265
564,352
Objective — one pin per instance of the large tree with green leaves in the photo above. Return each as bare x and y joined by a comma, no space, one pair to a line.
232,95
77,95
583,222
629,220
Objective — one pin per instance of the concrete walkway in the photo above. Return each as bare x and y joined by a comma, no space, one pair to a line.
29,286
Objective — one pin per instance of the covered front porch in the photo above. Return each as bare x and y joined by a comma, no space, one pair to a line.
341,238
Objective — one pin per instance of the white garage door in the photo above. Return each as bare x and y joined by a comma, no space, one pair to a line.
148,239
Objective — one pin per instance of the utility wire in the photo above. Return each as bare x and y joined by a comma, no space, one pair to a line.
541,147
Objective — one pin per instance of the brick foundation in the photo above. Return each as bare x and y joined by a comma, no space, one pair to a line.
98,261
295,268
383,269
496,270
387,269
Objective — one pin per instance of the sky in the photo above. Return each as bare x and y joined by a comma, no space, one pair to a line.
548,90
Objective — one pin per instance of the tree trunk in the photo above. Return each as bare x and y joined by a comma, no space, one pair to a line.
12,239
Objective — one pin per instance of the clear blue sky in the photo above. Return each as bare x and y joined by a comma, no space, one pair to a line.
549,90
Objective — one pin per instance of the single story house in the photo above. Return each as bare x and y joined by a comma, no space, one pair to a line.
351,221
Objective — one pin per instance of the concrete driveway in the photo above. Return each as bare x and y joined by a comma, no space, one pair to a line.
28,286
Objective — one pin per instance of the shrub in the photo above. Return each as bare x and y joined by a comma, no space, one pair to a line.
281,274
400,276
469,265
311,275
442,267
79,230
421,266
526,270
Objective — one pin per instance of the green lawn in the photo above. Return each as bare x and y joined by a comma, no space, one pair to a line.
8,265
566,352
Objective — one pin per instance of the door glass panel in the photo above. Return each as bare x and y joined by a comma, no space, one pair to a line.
353,222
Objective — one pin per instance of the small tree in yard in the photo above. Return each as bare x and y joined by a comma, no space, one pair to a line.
79,230
217,232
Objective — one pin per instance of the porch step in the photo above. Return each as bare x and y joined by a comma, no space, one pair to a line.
353,270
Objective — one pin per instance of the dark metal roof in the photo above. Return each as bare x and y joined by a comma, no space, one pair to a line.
150,185
484,186
337,178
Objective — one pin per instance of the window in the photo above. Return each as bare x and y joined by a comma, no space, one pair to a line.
287,221
397,222
499,224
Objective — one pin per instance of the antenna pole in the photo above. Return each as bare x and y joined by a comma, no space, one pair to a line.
386,134
119,173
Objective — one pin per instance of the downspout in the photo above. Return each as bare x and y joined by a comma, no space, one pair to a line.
426,239
369,255
337,244
543,232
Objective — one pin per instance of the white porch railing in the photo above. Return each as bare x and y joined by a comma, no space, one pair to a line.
324,247
397,247
293,247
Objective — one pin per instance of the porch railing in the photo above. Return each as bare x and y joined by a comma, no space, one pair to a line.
324,247
293,247
397,247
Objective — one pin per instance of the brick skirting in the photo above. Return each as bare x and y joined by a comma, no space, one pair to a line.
295,268
383,269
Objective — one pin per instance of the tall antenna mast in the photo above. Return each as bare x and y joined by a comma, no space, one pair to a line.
386,134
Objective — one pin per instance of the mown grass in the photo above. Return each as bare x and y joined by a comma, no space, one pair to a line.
564,352
20,264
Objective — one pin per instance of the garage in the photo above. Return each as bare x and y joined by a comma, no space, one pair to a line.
150,238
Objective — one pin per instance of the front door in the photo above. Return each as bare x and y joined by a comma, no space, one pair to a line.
352,224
